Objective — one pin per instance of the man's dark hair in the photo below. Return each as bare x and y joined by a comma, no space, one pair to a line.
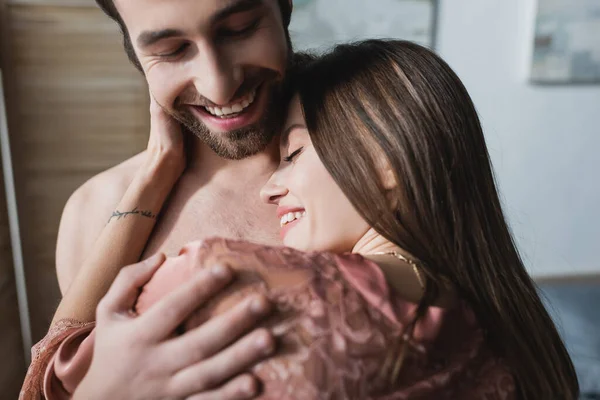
109,8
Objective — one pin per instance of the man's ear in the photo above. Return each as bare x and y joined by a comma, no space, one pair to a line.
291,5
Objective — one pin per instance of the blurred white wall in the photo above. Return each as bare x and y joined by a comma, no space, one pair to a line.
544,140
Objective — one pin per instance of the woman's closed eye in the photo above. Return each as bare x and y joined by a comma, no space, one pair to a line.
292,156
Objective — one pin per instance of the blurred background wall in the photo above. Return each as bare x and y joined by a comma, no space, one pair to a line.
543,139
76,107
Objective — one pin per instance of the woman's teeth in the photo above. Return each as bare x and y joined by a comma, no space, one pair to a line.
234,108
292,216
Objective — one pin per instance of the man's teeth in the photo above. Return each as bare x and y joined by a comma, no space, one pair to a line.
233,108
292,216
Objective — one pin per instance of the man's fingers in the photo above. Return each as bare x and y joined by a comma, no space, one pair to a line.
164,316
124,291
240,388
225,364
215,334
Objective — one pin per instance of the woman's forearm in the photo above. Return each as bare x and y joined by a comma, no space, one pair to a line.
122,240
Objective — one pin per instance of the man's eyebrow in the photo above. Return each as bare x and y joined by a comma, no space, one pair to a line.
234,7
285,135
148,38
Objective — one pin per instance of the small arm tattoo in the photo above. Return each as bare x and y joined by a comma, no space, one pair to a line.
118,214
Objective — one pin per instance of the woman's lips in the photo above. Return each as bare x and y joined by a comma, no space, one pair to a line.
289,217
286,228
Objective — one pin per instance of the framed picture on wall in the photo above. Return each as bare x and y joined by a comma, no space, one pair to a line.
319,24
567,42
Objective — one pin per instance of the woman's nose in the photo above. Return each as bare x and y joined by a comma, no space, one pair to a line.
273,191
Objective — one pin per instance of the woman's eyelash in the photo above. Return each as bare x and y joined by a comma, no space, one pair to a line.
290,158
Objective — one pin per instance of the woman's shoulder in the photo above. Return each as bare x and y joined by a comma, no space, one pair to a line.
332,340
243,254
284,273
280,272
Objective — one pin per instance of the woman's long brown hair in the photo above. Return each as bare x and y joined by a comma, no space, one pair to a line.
400,102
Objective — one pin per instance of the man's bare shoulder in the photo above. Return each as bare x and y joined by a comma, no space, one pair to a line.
86,213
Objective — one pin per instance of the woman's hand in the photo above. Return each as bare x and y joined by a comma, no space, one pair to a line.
166,145
125,236
138,357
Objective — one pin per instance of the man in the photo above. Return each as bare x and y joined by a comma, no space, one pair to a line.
216,66
201,59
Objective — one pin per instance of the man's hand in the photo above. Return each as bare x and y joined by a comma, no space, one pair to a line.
138,357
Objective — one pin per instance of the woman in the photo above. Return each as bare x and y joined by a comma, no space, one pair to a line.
405,281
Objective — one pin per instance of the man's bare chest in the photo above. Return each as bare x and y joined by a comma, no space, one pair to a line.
208,213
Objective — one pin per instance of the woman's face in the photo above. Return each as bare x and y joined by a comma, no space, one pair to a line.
315,214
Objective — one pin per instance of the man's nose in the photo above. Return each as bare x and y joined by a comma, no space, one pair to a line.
217,78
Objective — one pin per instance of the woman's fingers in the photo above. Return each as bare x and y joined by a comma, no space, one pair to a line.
164,317
165,131
125,289
218,332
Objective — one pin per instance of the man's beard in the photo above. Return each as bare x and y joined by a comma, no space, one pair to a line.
246,141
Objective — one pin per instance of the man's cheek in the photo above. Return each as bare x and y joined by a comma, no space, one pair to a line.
265,52
164,94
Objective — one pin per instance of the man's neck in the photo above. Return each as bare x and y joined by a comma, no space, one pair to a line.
204,163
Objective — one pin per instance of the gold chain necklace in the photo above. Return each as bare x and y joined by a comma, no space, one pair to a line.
410,262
